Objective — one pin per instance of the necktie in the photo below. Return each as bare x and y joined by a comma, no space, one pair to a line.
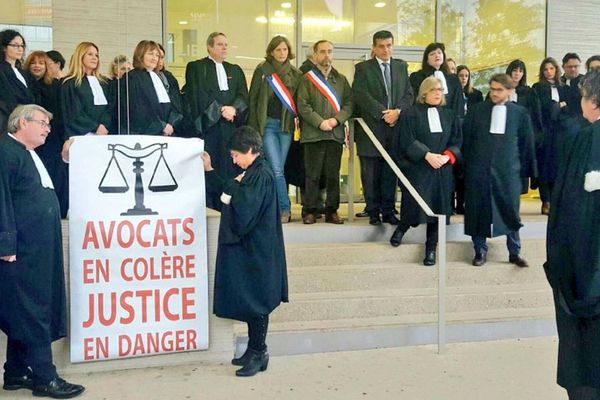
388,82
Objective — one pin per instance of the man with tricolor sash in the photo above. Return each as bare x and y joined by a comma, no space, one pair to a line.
324,104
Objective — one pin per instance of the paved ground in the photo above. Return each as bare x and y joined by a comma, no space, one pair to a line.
511,369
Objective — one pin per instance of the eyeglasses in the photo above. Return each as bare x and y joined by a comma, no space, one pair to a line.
42,123
22,46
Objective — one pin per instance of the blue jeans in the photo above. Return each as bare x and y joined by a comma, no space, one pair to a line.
277,145
513,243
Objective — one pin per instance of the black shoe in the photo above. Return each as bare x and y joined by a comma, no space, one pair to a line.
397,236
257,361
429,258
241,361
18,382
361,214
390,219
518,261
58,388
375,220
480,259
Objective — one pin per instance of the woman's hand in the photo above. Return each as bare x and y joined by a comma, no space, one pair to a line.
65,150
101,130
168,131
206,161
436,160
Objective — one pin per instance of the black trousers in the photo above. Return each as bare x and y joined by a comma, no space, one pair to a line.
257,333
379,186
584,393
432,234
546,191
23,359
322,160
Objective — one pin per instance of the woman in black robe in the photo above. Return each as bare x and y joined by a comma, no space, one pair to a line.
250,276
552,96
434,64
16,85
573,252
427,148
86,100
146,106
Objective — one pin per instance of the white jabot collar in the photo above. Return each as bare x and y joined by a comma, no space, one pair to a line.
39,165
440,75
99,97
555,95
498,124
221,75
433,116
159,88
20,76
514,97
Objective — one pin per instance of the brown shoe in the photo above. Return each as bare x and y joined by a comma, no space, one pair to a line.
285,217
334,218
309,219
545,208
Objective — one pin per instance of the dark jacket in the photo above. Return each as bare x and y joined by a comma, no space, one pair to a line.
454,98
371,100
14,93
314,108
80,115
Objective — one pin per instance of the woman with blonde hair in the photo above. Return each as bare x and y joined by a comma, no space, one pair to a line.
151,109
86,101
426,150
35,63
273,110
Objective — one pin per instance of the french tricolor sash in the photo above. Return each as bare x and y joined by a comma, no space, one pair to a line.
282,92
325,88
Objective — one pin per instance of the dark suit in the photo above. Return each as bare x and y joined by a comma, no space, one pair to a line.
378,180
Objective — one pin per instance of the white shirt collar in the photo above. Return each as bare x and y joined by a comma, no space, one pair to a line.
99,97
159,88
221,75
498,123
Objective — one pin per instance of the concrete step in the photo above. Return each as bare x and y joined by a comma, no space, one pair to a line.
401,276
309,255
378,303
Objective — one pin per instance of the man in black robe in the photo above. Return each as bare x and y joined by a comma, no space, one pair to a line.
571,78
382,90
217,95
499,152
32,287
573,250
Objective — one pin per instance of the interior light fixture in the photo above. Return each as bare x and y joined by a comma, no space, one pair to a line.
286,5
183,22
262,20
379,4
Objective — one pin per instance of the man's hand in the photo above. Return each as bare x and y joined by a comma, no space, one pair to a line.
325,126
391,116
206,161
228,112
101,130
436,160
65,150
9,258
168,130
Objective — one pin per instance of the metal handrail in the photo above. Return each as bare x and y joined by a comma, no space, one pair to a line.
441,253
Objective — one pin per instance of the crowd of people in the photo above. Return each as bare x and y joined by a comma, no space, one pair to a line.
463,153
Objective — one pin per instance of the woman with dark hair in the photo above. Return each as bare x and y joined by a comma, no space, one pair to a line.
49,152
273,110
551,95
86,100
470,94
592,63
146,106
434,64
16,85
573,243
251,275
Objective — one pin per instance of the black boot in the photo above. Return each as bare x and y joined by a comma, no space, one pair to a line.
241,360
257,361
397,236
429,258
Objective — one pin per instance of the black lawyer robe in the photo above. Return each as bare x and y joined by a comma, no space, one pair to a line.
251,272
80,115
205,100
434,185
14,93
494,166
472,98
454,97
32,289
146,115
573,262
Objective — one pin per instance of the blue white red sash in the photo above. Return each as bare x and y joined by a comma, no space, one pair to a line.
282,92
325,88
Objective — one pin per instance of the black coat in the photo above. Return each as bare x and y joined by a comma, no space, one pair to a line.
251,273
454,98
371,100
205,100
434,185
80,115
573,266
146,115
14,93
32,289
473,98
494,168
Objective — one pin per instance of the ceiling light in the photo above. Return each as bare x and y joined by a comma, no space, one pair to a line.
286,5
380,4
183,22
262,20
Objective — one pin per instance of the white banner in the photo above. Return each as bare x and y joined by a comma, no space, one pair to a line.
137,227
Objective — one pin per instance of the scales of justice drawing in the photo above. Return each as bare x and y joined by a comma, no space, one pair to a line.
113,180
